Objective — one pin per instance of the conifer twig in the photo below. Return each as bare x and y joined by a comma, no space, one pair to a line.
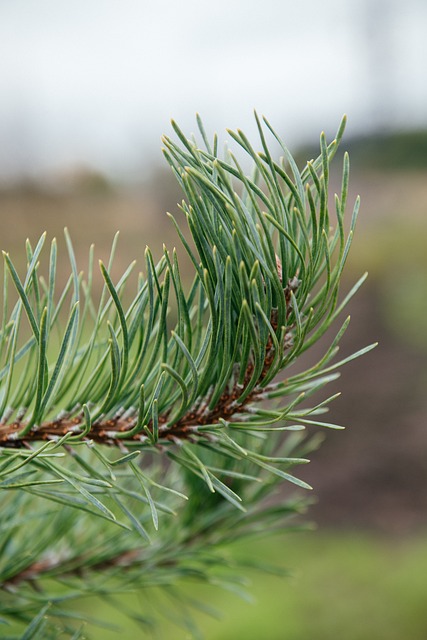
171,407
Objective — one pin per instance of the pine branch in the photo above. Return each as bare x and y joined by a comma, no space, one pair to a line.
124,418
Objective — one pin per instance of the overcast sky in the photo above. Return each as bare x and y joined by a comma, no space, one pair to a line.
96,81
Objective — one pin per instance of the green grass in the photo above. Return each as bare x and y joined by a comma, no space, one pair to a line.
349,586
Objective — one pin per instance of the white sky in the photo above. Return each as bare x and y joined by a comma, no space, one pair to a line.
97,81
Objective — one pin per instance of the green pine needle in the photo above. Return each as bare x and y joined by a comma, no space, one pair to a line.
126,422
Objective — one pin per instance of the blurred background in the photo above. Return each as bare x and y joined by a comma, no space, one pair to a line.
86,90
